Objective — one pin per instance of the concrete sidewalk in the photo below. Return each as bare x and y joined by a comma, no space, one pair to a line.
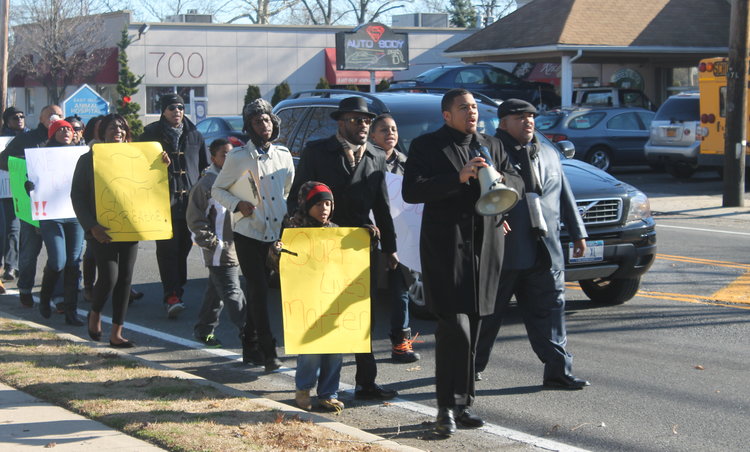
27,423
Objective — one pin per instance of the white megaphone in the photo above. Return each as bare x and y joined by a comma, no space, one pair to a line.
496,198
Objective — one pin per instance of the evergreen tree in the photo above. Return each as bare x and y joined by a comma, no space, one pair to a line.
462,14
253,92
323,84
352,87
281,92
127,87
383,85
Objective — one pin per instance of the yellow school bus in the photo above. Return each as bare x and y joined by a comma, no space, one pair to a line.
712,81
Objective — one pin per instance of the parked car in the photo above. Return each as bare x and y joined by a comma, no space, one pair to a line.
227,127
611,96
674,141
617,215
488,80
603,136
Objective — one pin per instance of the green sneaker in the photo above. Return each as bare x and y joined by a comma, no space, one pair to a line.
210,341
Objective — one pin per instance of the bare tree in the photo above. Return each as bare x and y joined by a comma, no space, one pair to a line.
366,11
322,12
55,45
261,11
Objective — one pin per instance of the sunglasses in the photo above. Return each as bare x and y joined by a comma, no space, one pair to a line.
174,107
78,129
18,117
367,121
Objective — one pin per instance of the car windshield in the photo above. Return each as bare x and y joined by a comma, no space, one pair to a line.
235,123
679,109
431,75
545,122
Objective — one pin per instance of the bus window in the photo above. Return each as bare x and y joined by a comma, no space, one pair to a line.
723,101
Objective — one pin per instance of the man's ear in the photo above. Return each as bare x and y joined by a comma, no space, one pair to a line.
446,115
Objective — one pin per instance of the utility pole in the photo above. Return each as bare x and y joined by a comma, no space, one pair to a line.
737,113
4,17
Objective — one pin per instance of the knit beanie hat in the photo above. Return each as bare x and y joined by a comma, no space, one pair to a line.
318,192
258,107
10,111
168,99
57,125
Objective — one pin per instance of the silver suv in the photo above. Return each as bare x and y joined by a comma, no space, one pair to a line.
674,142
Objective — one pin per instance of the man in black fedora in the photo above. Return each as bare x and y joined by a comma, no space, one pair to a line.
355,172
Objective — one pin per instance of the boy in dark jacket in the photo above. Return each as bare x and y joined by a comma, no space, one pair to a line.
211,226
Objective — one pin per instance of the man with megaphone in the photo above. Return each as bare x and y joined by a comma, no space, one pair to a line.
461,245
534,266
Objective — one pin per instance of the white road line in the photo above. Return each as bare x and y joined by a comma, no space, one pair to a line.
497,430
701,229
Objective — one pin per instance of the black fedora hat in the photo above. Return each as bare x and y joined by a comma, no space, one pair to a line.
354,104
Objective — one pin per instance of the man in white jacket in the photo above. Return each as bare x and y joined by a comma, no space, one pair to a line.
270,171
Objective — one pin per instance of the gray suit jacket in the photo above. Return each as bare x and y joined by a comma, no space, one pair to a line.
557,203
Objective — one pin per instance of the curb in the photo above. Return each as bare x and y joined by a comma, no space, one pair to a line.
317,419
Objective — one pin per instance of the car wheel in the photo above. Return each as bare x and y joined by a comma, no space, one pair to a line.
610,291
600,157
680,170
417,306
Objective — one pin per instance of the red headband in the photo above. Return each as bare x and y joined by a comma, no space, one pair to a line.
320,188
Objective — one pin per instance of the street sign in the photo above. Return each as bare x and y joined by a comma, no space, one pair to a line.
86,103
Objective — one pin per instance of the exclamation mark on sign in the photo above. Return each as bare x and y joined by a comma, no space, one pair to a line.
44,206
36,207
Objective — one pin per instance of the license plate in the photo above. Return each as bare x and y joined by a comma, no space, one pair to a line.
671,133
594,252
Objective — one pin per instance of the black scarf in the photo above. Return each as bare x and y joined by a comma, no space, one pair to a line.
524,156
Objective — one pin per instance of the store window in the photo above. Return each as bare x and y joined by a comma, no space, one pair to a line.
28,102
153,93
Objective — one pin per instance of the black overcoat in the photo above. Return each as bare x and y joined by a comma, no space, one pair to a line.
461,251
354,194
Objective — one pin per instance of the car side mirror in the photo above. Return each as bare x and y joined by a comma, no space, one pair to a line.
567,148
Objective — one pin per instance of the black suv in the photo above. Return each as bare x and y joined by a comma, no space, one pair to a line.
617,215
486,79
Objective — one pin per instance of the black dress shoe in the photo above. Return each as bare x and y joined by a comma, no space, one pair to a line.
124,344
445,425
374,392
466,418
565,382
94,335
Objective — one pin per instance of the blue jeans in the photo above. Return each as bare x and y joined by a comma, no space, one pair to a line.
325,370
29,248
399,295
64,242
223,288
12,227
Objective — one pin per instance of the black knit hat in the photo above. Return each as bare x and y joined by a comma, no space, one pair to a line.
10,111
168,99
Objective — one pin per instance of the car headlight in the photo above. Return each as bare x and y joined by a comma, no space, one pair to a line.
640,208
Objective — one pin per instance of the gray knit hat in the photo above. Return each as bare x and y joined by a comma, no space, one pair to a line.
259,107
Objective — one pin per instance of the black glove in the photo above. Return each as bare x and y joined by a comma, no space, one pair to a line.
29,186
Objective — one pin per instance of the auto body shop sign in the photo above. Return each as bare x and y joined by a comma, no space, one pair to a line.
372,47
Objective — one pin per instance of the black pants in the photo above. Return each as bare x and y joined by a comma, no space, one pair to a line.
252,255
171,255
455,348
540,293
114,264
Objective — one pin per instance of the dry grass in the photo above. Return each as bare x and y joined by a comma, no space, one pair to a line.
172,413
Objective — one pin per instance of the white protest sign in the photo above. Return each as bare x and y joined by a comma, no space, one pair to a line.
51,171
4,179
407,219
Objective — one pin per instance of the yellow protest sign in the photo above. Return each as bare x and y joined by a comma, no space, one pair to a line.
132,191
325,290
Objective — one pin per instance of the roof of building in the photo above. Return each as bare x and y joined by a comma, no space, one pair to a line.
635,26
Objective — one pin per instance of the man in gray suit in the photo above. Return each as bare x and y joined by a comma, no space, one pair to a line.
533,265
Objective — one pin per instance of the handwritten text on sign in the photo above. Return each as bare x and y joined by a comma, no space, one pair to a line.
132,191
325,290
51,171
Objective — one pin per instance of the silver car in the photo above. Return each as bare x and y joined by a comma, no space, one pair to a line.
674,142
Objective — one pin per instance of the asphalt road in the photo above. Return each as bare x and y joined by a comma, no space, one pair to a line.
668,368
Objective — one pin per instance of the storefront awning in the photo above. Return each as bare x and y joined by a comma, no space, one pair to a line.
336,77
